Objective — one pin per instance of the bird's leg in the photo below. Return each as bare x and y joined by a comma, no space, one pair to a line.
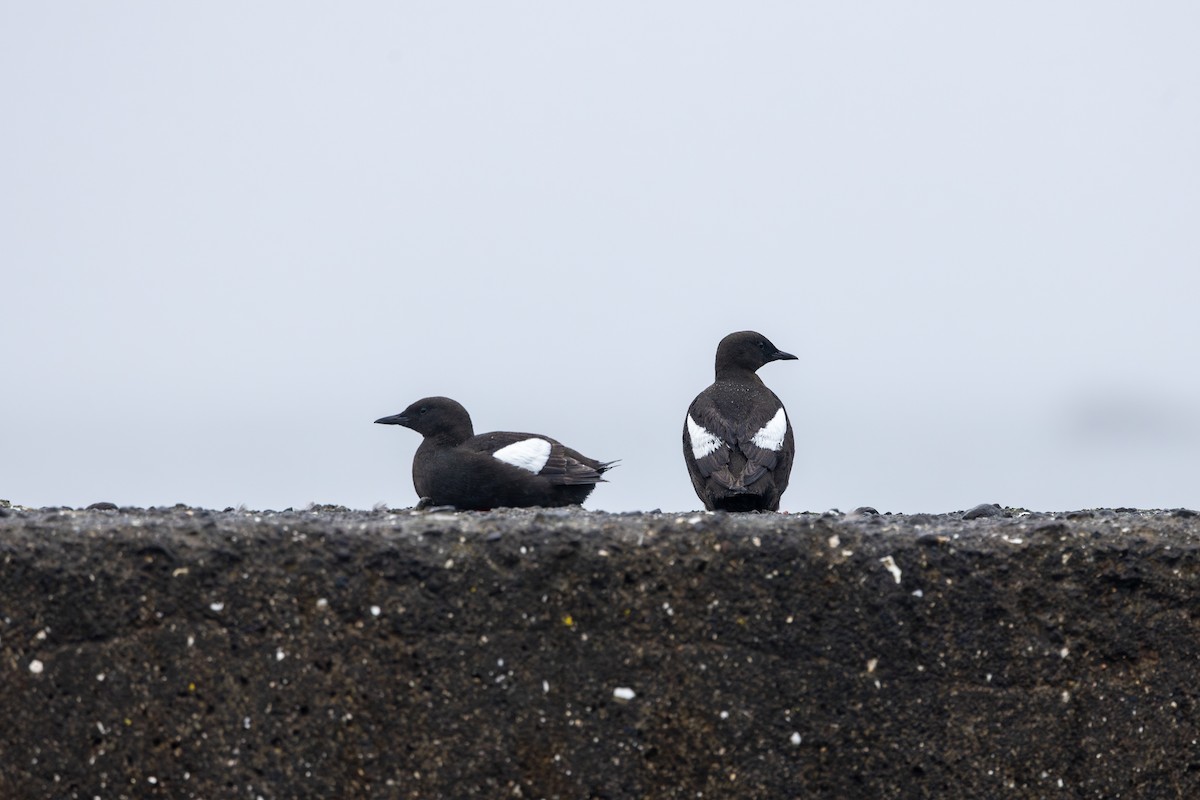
427,504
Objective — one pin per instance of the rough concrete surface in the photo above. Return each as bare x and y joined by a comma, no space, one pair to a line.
570,654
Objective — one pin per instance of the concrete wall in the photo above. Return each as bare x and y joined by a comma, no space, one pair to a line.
187,653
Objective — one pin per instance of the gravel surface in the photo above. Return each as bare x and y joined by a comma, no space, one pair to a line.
564,653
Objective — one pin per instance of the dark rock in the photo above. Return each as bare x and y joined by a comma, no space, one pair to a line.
350,654
984,510
102,506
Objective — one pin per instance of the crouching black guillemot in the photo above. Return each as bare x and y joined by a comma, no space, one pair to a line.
453,467
737,440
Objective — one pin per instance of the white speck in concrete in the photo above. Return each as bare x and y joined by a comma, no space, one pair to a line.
322,603
100,677
1066,696
889,564
40,635
218,606
1064,653
834,541
246,723
918,593
376,611
624,694
872,664
724,715
756,541
279,654
449,563
796,738
36,667
695,520
847,553
152,780
988,677
545,687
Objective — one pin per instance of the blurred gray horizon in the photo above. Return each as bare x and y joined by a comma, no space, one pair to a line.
234,236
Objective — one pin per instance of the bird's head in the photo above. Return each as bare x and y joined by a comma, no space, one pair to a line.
747,351
434,416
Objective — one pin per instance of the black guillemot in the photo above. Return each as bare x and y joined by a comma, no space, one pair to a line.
454,467
737,440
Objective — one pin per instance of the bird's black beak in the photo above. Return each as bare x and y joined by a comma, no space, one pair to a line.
394,419
779,355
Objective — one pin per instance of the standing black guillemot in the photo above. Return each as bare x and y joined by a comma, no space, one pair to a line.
737,440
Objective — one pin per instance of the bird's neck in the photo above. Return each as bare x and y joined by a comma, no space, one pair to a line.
448,438
737,375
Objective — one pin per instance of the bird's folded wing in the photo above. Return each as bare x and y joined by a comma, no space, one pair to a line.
712,436
560,465
565,467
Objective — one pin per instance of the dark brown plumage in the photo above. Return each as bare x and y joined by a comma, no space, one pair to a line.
453,467
737,439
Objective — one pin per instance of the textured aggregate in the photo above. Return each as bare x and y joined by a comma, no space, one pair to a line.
569,654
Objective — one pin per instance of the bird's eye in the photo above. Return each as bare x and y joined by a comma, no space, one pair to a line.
424,409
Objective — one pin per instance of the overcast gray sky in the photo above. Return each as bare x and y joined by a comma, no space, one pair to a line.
232,235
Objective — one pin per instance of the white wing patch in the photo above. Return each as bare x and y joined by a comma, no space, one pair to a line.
703,442
770,436
528,454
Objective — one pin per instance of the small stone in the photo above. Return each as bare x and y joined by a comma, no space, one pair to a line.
984,510
890,565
